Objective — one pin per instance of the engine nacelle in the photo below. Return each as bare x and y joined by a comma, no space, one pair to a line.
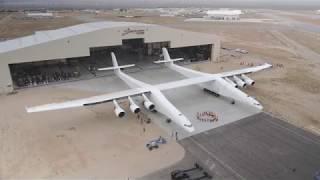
247,79
147,103
231,82
118,110
239,82
133,107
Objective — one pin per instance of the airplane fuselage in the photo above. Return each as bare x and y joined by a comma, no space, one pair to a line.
219,86
162,104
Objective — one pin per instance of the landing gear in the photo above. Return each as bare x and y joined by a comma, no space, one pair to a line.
211,92
168,120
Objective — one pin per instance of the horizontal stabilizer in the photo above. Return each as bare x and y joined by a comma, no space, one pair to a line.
116,67
166,61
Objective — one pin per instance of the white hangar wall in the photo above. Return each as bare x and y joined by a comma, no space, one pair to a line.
76,41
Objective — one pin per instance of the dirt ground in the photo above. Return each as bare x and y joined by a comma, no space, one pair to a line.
308,39
31,148
88,143
302,18
13,25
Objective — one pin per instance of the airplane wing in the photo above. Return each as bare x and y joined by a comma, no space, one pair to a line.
88,101
245,71
138,91
210,77
185,82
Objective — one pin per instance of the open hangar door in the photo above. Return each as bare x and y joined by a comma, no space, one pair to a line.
192,53
132,51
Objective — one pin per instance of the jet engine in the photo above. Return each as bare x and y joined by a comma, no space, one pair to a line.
239,82
118,110
133,107
231,82
147,103
247,79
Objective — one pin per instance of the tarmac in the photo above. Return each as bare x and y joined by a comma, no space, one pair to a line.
257,147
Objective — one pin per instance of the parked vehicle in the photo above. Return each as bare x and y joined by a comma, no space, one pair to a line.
154,144
195,173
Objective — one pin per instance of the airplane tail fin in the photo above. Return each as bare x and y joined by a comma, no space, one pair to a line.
115,66
114,60
166,55
167,58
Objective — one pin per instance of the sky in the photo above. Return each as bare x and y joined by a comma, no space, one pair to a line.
276,4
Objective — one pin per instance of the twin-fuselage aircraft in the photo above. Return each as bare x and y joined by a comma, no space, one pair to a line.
225,84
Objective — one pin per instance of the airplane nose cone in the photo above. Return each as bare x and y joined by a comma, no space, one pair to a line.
259,106
188,127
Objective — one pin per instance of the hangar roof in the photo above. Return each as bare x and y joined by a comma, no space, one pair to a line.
45,36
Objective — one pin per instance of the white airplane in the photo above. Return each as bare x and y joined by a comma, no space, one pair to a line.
221,85
154,98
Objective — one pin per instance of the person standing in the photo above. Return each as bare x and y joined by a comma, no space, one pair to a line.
176,136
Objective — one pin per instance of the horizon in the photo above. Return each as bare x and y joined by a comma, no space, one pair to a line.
111,4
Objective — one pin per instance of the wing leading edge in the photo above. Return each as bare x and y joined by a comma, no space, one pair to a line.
246,70
118,95
88,101
209,77
138,91
185,82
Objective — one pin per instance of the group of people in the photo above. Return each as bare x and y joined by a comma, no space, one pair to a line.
207,116
143,118
24,79
279,65
93,69
247,63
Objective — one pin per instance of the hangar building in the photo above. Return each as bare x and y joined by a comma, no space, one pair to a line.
53,55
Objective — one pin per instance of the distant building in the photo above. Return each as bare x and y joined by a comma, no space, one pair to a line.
40,14
93,11
224,14
167,15
318,11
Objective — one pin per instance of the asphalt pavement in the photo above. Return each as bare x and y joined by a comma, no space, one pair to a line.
257,147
